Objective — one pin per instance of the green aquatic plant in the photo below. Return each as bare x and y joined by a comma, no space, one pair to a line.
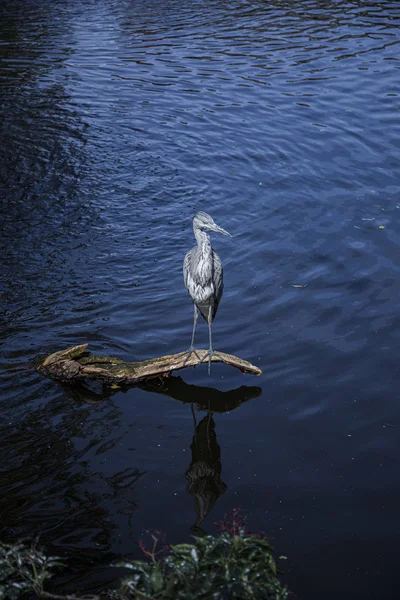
233,565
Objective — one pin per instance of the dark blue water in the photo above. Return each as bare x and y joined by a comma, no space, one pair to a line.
119,120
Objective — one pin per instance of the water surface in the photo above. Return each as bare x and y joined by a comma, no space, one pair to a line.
121,119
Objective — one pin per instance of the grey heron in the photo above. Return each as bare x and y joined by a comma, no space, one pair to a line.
203,276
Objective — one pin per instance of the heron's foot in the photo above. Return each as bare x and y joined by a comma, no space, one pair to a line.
192,350
210,354
221,358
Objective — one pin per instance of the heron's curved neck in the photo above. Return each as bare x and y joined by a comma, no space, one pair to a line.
203,240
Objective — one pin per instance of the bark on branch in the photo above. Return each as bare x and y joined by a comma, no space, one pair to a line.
76,363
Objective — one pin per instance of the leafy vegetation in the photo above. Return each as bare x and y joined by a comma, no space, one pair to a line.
233,565
23,569
218,568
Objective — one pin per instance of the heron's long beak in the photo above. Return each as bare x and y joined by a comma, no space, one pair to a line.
217,229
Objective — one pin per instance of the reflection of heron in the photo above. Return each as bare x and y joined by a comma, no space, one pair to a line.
203,275
204,473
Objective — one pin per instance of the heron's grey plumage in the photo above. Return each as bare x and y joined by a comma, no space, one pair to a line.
203,272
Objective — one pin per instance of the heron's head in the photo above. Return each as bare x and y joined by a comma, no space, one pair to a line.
204,222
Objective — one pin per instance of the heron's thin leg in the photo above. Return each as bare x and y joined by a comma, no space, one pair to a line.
210,350
191,349
195,317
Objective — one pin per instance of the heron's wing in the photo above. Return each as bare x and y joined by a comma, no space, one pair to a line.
218,280
186,266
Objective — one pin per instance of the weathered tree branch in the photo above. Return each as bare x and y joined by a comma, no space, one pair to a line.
76,363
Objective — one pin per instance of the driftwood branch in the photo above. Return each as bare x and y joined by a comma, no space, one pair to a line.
76,363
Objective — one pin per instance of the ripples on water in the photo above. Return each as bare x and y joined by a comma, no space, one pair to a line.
118,121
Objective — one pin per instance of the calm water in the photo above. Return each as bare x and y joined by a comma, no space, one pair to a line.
120,119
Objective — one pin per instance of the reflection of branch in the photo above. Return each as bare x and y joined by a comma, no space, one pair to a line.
204,473
81,393
205,398
76,363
